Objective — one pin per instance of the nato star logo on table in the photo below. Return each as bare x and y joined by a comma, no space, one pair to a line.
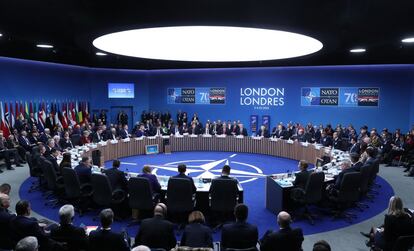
212,168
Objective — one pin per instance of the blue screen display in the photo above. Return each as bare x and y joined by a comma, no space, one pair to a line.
121,90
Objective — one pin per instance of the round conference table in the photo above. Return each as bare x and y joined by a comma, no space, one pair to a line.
115,149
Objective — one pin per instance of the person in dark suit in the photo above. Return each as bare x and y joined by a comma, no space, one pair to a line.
65,141
105,239
302,176
302,136
5,217
239,235
263,132
103,117
24,141
355,146
337,141
123,133
194,129
279,133
325,140
52,157
97,136
356,164
22,226
157,232
241,130
284,239
224,129
196,234
122,118
181,174
117,177
396,223
346,168
146,173
83,170
75,237
112,135
85,138
50,122
8,154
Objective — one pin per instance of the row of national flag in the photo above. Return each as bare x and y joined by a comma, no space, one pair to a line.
65,114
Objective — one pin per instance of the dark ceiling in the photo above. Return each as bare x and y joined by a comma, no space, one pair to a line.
71,26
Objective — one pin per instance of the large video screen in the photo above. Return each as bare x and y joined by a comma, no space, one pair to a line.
121,90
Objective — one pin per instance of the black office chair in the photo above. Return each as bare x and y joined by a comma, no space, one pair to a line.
312,194
102,195
241,249
76,193
140,196
404,243
347,196
53,182
365,172
371,183
75,138
180,199
35,172
224,195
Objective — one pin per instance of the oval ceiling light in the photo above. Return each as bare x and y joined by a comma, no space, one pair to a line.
1,35
408,40
358,50
208,44
46,46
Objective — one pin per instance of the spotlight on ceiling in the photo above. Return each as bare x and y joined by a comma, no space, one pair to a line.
45,46
1,35
100,54
208,44
408,40
358,50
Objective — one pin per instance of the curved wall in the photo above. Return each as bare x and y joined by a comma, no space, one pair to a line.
30,80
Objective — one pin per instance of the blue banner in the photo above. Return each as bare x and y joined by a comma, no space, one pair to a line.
253,122
266,121
340,96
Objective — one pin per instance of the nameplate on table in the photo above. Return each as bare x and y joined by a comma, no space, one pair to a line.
289,141
193,135
274,139
179,136
114,141
165,136
126,140
140,138
102,143
152,137
207,135
239,137
221,136
304,144
185,134
93,146
257,137
317,147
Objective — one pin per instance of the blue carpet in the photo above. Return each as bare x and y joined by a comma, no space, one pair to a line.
249,167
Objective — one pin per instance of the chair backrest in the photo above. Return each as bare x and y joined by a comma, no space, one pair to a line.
404,243
223,193
349,190
180,195
30,164
72,183
75,138
314,187
50,174
102,190
140,194
366,171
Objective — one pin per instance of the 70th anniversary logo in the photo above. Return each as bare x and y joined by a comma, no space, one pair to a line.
340,96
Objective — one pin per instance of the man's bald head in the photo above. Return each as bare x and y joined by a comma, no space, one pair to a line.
4,200
160,210
284,219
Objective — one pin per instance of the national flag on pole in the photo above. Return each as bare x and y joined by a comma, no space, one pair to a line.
21,109
3,125
56,113
86,112
26,114
31,107
12,118
17,110
62,116
7,115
